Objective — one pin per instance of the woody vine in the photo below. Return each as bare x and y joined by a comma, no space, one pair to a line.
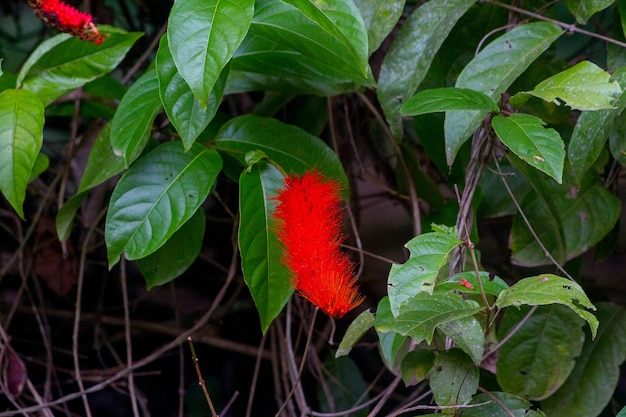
458,111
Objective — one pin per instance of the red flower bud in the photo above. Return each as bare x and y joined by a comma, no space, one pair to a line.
309,227
67,19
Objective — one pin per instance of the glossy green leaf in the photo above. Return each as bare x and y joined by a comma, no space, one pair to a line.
66,214
591,132
550,289
203,36
453,378
428,254
540,355
102,163
63,63
176,255
423,313
359,326
156,196
492,71
268,279
591,384
447,99
585,86
21,137
132,124
526,137
416,365
568,218
411,53
584,9
379,17
292,148
505,405
340,19
183,110
284,46
345,387
467,334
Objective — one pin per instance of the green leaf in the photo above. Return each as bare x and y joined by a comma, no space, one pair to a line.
267,277
540,355
359,326
622,412
491,286
411,53
416,365
183,110
341,20
568,219
345,387
176,255
591,132
550,289
21,137
492,71
468,335
63,63
447,99
102,163
393,346
156,196
617,139
66,214
590,386
379,17
526,137
584,9
453,378
429,253
292,148
132,124
203,36
585,86
505,405
423,313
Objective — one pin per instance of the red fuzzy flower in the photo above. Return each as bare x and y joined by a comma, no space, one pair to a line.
309,215
67,19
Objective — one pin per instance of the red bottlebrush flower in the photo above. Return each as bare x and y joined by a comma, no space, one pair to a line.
309,216
67,19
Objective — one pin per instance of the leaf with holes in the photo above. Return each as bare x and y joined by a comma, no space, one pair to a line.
156,196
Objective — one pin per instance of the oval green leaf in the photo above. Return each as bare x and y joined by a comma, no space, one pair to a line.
453,378
156,196
359,326
447,99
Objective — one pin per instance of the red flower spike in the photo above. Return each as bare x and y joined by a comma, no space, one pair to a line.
67,19
309,216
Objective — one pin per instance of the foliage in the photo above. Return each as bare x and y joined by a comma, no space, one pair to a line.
464,96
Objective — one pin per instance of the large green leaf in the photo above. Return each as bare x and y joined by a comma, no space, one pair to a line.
292,148
591,132
359,326
132,124
267,277
340,19
284,45
176,255
428,254
21,136
411,53
492,71
568,218
617,139
203,36
550,289
392,345
540,355
453,378
585,86
584,9
183,110
505,405
156,196
526,137
423,313
447,99
467,334
379,17
63,63
591,384
345,387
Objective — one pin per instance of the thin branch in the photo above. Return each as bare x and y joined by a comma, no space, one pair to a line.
200,378
127,336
